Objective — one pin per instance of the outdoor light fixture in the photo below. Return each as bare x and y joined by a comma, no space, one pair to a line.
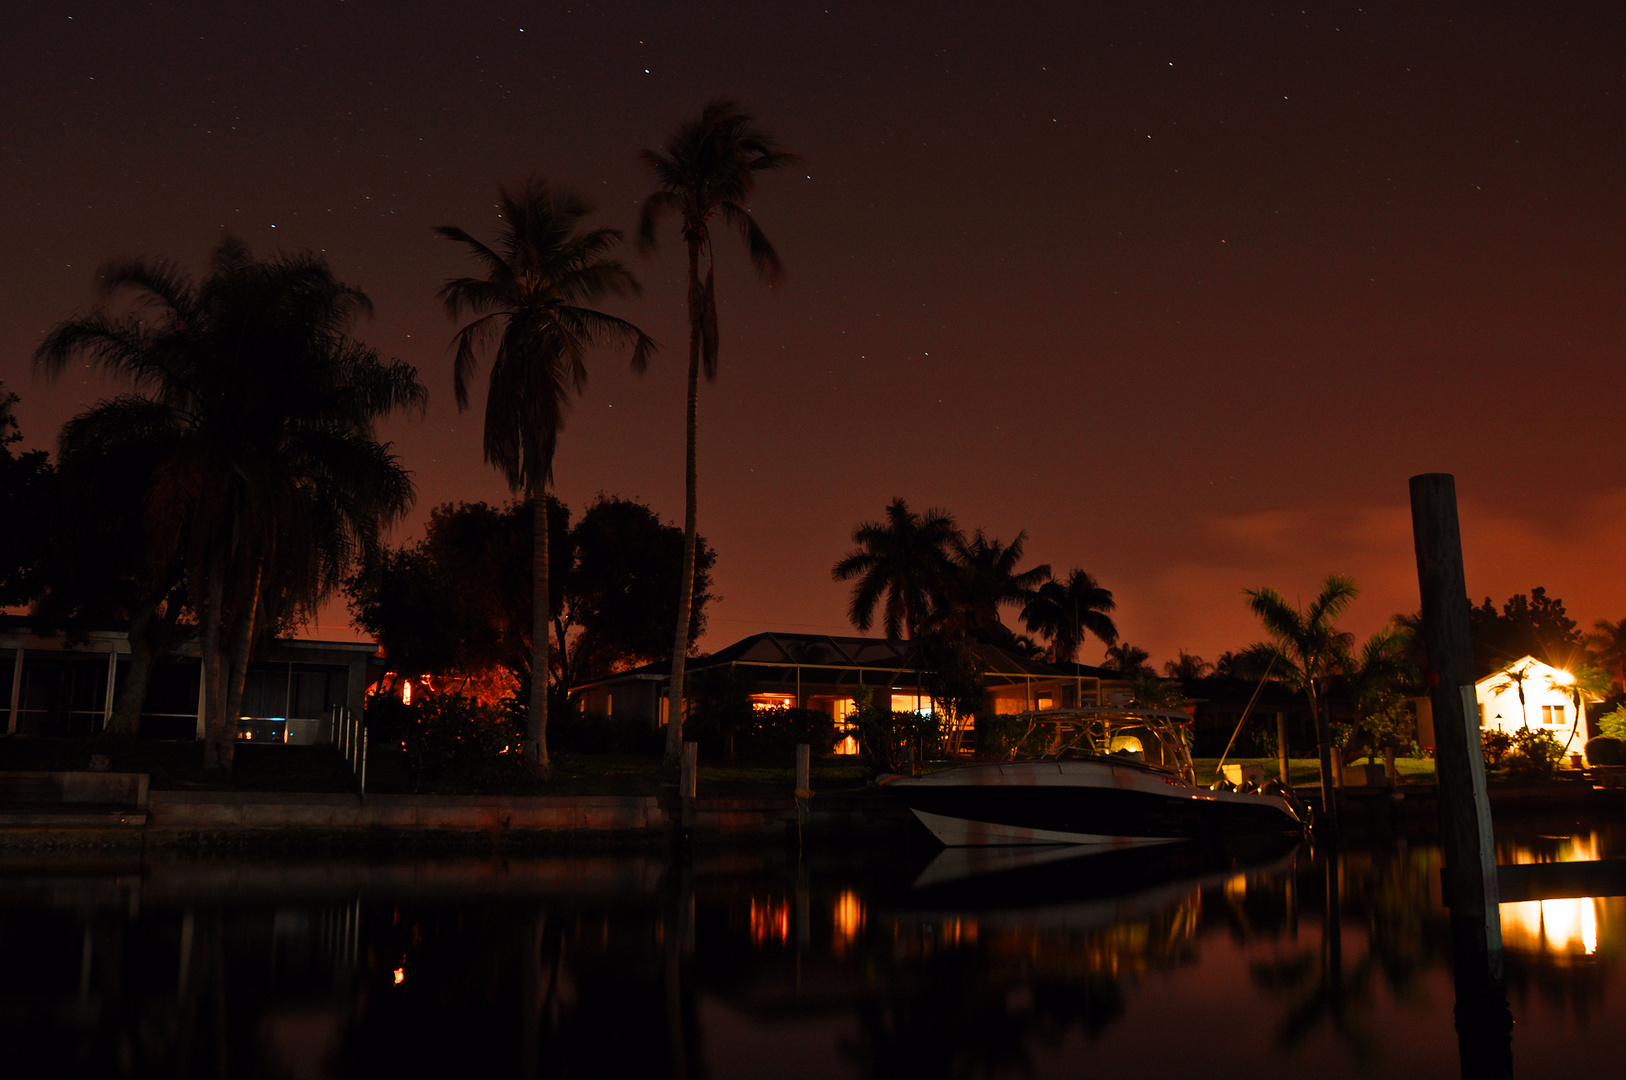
1565,678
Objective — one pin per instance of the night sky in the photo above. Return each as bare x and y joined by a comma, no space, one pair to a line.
1186,290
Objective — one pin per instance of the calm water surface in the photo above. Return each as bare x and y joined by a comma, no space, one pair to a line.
879,963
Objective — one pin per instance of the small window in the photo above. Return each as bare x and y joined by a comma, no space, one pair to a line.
1481,714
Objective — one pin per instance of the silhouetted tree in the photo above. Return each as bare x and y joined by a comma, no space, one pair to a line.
708,168
1305,650
1608,646
983,577
532,314
274,482
26,490
1128,659
904,559
1536,625
1187,666
1062,611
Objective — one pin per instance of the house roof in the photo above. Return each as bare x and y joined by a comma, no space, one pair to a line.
849,653
1542,673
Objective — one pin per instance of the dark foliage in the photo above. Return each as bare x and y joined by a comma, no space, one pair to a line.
594,733
621,589
1535,625
27,487
1606,750
451,741
724,722
1496,745
460,599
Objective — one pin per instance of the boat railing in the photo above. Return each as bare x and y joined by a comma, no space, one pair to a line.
1087,733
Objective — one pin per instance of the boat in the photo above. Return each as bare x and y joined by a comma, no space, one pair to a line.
1105,777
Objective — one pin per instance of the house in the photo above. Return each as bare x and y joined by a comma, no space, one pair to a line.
1529,693
821,671
52,687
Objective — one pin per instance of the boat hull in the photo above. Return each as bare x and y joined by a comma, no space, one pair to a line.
1083,802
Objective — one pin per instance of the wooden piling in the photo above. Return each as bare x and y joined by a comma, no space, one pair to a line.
1459,761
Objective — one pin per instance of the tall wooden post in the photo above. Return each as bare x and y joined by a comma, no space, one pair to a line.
1281,749
1459,761
1484,1024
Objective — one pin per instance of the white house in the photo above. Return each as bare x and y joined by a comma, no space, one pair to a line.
1529,693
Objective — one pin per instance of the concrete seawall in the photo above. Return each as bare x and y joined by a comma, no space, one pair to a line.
213,819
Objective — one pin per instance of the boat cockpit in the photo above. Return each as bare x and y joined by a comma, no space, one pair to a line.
1149,738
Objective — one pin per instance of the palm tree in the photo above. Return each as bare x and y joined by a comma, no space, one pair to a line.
983,578
1608,644
903,559
273,483
1129,659
708,168
1187,666
1063,611
531,314
1308,649
1379,675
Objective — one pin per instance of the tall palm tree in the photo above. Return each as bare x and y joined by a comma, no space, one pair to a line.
532,315
1063,610
1308,649
707,169
983,578
273,483
903,559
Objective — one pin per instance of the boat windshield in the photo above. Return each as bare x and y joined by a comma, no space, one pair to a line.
1146,738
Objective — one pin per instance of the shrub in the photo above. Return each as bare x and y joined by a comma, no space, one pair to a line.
1496,744
451,740
1613,724
1606,750
1535,753
1003,736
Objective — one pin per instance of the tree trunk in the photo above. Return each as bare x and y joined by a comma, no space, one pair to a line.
1323,738
242,643
132,692
213,701
680,639
536,716
1389,765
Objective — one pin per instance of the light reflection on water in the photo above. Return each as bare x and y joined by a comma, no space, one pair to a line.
875,964
1565,928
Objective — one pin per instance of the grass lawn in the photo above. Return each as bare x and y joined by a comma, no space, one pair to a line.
1306,772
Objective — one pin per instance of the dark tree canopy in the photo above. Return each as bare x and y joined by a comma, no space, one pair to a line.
26,489
621,590
1534,625
459,600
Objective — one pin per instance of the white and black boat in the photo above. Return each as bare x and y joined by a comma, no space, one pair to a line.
1107,777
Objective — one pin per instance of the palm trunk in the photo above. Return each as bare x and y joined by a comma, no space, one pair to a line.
536,716
213,703
680,639
132,692
1323,736
237,674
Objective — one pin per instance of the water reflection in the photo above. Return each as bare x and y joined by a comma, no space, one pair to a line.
844,963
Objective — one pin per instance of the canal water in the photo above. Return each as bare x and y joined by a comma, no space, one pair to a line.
849,962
